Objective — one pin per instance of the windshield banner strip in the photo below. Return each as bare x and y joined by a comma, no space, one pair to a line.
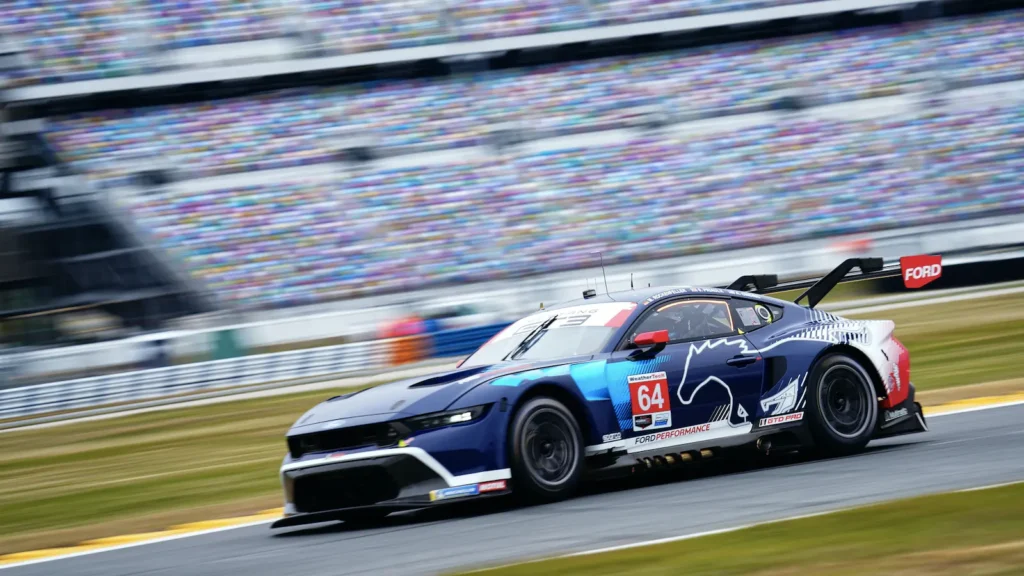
602,314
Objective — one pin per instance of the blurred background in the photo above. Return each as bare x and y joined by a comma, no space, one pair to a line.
234,192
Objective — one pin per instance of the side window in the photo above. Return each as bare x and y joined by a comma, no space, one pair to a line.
688,320
754,315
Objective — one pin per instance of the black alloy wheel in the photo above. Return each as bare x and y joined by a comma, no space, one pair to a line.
547,451
843,400
843,405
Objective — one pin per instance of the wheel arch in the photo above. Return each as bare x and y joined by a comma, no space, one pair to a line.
860,357
571,401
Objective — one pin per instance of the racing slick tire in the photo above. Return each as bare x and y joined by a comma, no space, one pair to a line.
842,406
546,451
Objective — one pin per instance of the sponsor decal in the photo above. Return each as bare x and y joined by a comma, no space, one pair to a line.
688,290
786,399
920,270
648,393
650,400
668,434
496,486
662,420
748,317
404,443
891,415
613,437
454,492
782,419
652,421
335,455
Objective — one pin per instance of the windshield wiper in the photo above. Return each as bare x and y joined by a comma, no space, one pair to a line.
527,342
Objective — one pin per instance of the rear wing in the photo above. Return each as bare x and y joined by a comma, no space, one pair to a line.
817,288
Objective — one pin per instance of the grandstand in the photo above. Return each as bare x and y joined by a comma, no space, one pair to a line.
392,180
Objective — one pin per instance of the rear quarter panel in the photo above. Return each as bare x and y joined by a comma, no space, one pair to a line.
805,335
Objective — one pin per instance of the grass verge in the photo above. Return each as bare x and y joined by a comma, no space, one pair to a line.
61,485
980,532
125,472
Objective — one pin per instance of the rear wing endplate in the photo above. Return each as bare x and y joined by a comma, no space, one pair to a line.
818,288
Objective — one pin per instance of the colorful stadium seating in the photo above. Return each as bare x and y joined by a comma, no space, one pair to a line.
308,239
187,23
71,40
306,126
365,25
303,241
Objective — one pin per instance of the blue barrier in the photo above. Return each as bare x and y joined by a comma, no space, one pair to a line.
461,342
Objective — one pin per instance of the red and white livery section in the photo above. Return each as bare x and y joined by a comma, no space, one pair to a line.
607,314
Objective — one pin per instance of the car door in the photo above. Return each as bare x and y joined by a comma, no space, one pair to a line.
703,384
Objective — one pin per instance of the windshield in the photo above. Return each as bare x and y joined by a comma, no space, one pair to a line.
577,331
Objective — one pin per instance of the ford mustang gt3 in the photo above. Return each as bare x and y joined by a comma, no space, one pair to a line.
607,384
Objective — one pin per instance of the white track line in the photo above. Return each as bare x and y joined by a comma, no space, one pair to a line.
583,553
737,528
975,409
991,486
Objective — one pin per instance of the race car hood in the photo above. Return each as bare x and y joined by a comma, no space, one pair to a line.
410,397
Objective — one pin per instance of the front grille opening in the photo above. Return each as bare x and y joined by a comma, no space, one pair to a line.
381,435
360,486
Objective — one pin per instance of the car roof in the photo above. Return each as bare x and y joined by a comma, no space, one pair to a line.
638,295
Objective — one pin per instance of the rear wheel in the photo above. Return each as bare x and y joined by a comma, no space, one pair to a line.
842,405
547,451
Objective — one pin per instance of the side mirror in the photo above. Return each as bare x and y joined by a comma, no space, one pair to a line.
644,339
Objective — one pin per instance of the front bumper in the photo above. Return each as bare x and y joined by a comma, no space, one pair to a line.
331,488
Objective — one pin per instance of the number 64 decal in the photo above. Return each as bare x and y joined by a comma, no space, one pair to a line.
648,394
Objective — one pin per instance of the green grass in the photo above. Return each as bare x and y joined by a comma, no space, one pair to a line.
978,532
64,484
138,465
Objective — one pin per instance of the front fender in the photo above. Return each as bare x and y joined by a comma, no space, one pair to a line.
596,418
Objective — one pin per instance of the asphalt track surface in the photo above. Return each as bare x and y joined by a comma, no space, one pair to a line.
960,451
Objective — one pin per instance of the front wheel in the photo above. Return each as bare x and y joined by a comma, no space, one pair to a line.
842,405
547,451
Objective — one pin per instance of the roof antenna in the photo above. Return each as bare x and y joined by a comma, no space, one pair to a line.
631,281
601,254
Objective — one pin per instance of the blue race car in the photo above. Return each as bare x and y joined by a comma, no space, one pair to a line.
603,385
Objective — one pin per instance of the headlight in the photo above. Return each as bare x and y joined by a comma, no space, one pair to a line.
448,418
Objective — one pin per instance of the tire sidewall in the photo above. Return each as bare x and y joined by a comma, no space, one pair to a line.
827,439
525,485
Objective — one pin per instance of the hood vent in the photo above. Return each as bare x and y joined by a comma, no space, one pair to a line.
449,377
343,396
